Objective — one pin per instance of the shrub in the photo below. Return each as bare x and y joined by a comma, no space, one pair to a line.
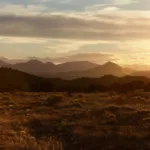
147,120
54,100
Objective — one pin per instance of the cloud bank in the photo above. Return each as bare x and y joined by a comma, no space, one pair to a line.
63,26
67,27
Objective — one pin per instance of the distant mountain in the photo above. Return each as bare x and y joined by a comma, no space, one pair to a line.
138,67
3,64
128,71
64,57
35,67
142,73
12,61
90,57
72,70
99,71
108,68
4,59
39,68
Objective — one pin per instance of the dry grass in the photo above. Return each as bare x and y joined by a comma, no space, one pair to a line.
55,121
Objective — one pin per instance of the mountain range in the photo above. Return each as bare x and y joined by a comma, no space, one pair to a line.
59,59
48,69
72,70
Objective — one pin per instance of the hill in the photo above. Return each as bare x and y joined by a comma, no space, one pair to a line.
11,80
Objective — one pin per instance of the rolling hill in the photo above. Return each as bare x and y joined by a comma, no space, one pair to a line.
11,80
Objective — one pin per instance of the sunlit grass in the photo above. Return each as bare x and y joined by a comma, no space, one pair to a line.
57,121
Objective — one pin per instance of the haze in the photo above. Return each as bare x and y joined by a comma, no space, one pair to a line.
110,30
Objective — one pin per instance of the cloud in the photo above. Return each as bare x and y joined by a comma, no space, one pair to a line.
63,46
41,1
76,27
22,9
108,48
124,2
110,8
21,40
68,27
65,1
92,57
78,5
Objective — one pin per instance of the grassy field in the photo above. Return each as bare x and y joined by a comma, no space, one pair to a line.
58,121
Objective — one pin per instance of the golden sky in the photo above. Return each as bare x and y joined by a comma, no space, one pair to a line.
118,29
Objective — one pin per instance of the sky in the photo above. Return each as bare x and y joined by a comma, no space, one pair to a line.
117,30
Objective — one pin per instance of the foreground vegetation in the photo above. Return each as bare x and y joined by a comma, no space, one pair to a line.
66,121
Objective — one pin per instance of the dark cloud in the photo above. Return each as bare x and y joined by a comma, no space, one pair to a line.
80,28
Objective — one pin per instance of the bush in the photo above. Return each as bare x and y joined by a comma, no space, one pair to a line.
147,120
54,100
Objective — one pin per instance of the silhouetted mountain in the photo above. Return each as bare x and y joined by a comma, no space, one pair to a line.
108,68
11,80
39,68
139,67
14,80
128,71
72,70
35,67
63,58
12,61
3,64
99,71
4,59
142,73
